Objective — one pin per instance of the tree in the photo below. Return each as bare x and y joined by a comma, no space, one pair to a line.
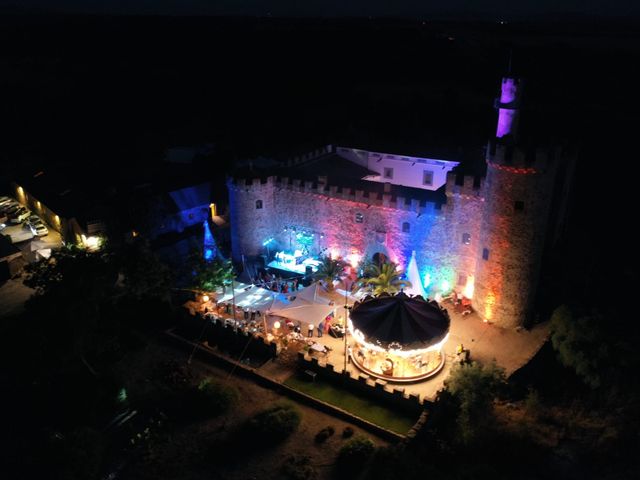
70,288
385,278
143,276
582,343
473,388
208,275
329,270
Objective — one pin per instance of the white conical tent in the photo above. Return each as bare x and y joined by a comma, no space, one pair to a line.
413,275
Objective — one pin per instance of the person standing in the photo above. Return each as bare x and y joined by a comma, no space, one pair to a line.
320,329
310,332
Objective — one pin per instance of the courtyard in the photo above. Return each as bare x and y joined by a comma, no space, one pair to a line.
511,349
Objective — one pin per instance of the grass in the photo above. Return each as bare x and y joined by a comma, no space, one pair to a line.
358,405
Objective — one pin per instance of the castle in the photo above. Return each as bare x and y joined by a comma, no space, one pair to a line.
482,235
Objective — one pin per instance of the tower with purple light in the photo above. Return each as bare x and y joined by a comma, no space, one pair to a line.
480,234
508,106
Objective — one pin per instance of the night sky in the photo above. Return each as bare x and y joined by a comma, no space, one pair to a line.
408,8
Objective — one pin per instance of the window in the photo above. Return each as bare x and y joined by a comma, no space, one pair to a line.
359,218
388,172
485,254
258,204
462,279
466,238
427,177
519,206
406,227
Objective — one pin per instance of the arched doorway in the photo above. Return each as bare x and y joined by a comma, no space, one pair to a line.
379,258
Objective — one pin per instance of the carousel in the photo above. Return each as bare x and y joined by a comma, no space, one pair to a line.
398,338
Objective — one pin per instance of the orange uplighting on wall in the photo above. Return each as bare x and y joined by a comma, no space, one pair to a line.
469,287
489,303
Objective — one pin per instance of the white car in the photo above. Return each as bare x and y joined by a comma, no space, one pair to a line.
39,230
20,215
4,200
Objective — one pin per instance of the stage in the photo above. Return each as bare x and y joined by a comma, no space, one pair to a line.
293,263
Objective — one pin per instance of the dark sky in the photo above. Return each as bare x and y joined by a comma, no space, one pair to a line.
409,8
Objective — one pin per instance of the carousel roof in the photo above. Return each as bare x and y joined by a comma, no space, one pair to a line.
400,321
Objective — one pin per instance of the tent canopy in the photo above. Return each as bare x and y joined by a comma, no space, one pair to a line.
311,305
400,321
253,296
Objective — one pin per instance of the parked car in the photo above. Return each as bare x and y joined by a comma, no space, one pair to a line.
12,208
21,215
4,200
12,204
33,219
39,230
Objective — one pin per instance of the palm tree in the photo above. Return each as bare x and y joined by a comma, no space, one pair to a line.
329,270
385,278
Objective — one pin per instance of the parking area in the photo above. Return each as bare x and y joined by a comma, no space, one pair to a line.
27,231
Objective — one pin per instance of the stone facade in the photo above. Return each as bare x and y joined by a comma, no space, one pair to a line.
486,239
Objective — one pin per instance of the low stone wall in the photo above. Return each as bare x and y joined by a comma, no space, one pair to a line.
232,341
209,355
363,384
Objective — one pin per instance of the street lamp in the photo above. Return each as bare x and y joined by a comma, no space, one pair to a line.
347,288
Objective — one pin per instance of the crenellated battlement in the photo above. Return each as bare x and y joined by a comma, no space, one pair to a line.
298,159
369,198
519,160
467,186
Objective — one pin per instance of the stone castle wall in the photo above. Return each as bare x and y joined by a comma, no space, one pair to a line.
435,231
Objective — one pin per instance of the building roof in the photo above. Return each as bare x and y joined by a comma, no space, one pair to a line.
342,173
7,249
85,195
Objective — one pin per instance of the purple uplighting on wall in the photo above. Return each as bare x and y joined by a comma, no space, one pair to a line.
507,117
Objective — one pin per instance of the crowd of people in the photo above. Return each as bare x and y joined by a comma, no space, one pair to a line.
276,283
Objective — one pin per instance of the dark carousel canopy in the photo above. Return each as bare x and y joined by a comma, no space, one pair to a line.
400,321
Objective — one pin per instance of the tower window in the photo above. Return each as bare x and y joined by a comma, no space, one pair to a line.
427,177
462,279
359,218
519,206
406,227
258,204
466,238
485,254
388,172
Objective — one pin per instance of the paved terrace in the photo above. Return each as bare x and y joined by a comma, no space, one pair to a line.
509,348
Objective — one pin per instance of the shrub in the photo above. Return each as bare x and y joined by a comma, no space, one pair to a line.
298,468
275,423
215,397
532,404
474,387
347,432
324,434
353,456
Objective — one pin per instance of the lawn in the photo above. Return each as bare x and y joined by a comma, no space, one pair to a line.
394,420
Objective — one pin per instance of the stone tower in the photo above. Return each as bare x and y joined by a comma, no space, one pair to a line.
251,207
517,191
